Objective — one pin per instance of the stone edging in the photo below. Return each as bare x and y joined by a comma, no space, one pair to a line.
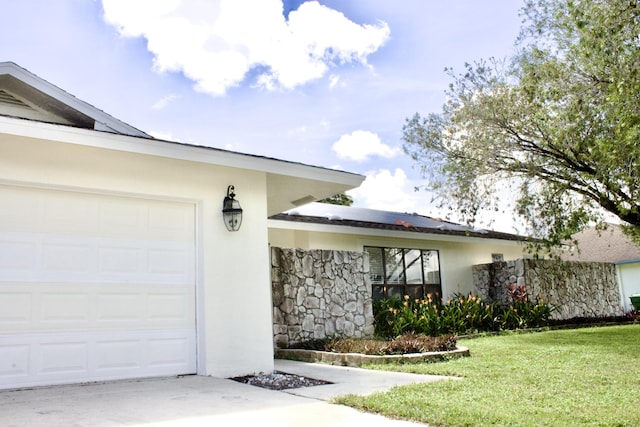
357,359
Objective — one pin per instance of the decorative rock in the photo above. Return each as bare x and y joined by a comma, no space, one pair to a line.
308,323
576,289
278,318
336,310
287,306
350,306
330,327
307,265
319,293
301,295
349,328
312,302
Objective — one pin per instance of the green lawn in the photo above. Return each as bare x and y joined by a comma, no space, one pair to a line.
580,377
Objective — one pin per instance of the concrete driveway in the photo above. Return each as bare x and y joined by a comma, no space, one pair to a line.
205,401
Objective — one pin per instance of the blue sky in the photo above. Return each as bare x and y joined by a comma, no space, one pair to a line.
326,83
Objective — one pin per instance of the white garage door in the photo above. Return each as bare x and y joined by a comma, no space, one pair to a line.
94,287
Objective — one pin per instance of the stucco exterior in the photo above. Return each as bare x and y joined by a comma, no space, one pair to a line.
232,279
457,254
149,280
629,280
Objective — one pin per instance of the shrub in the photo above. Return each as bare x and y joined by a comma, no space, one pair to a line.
404,344
463,314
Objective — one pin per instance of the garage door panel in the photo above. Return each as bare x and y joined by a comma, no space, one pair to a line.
39,257
15,309
19,210
50,307
120,259
167,352
67,213
59,358
170,222
120,307
94,287
117,355
14,362
17,255
122,217
67,257
61,212
61,308
36,359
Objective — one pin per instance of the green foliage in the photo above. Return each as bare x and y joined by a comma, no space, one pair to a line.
341,199
464,314
557,125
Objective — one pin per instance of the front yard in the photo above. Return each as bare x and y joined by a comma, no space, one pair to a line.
574,377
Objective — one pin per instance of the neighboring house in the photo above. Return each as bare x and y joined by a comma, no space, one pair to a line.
409,254
612,246
114,258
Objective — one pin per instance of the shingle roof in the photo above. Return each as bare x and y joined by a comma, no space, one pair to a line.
610,245
347,216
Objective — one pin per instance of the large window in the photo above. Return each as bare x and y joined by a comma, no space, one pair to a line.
397,272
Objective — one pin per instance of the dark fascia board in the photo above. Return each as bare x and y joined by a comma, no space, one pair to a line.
484,234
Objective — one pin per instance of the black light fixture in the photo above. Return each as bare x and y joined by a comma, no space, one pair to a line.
231,211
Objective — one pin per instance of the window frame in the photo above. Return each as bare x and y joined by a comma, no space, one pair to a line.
382,288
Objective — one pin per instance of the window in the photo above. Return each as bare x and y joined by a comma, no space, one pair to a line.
396,272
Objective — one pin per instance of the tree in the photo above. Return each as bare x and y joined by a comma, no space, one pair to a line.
342,199
557,125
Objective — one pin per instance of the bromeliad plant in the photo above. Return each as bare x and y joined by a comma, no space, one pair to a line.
463,314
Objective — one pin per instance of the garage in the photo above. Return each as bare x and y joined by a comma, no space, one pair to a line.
94,287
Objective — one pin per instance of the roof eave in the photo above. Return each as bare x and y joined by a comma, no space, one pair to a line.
377,232
287,181
32,82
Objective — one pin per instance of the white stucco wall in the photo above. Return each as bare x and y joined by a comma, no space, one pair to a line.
629,279
233,284
457,255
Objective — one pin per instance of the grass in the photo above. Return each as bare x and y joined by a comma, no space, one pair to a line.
580,377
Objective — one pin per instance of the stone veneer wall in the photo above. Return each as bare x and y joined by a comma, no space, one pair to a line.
320,293
577,289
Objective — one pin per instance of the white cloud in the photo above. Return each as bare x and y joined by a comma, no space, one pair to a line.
217,42
394,191
297,131
334,80
385,190
162,103
360,144
165,136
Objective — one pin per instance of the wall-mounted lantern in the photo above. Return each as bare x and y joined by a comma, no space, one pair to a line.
231,211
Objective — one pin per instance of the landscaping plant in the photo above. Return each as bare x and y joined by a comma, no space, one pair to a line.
463,314
404,344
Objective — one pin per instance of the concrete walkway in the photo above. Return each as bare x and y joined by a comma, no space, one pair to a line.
205,401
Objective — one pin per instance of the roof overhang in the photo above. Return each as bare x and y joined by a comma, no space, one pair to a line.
395,234
627,262
289,184
60,105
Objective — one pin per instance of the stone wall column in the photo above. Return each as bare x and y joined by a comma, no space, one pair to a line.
319,294
576,289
